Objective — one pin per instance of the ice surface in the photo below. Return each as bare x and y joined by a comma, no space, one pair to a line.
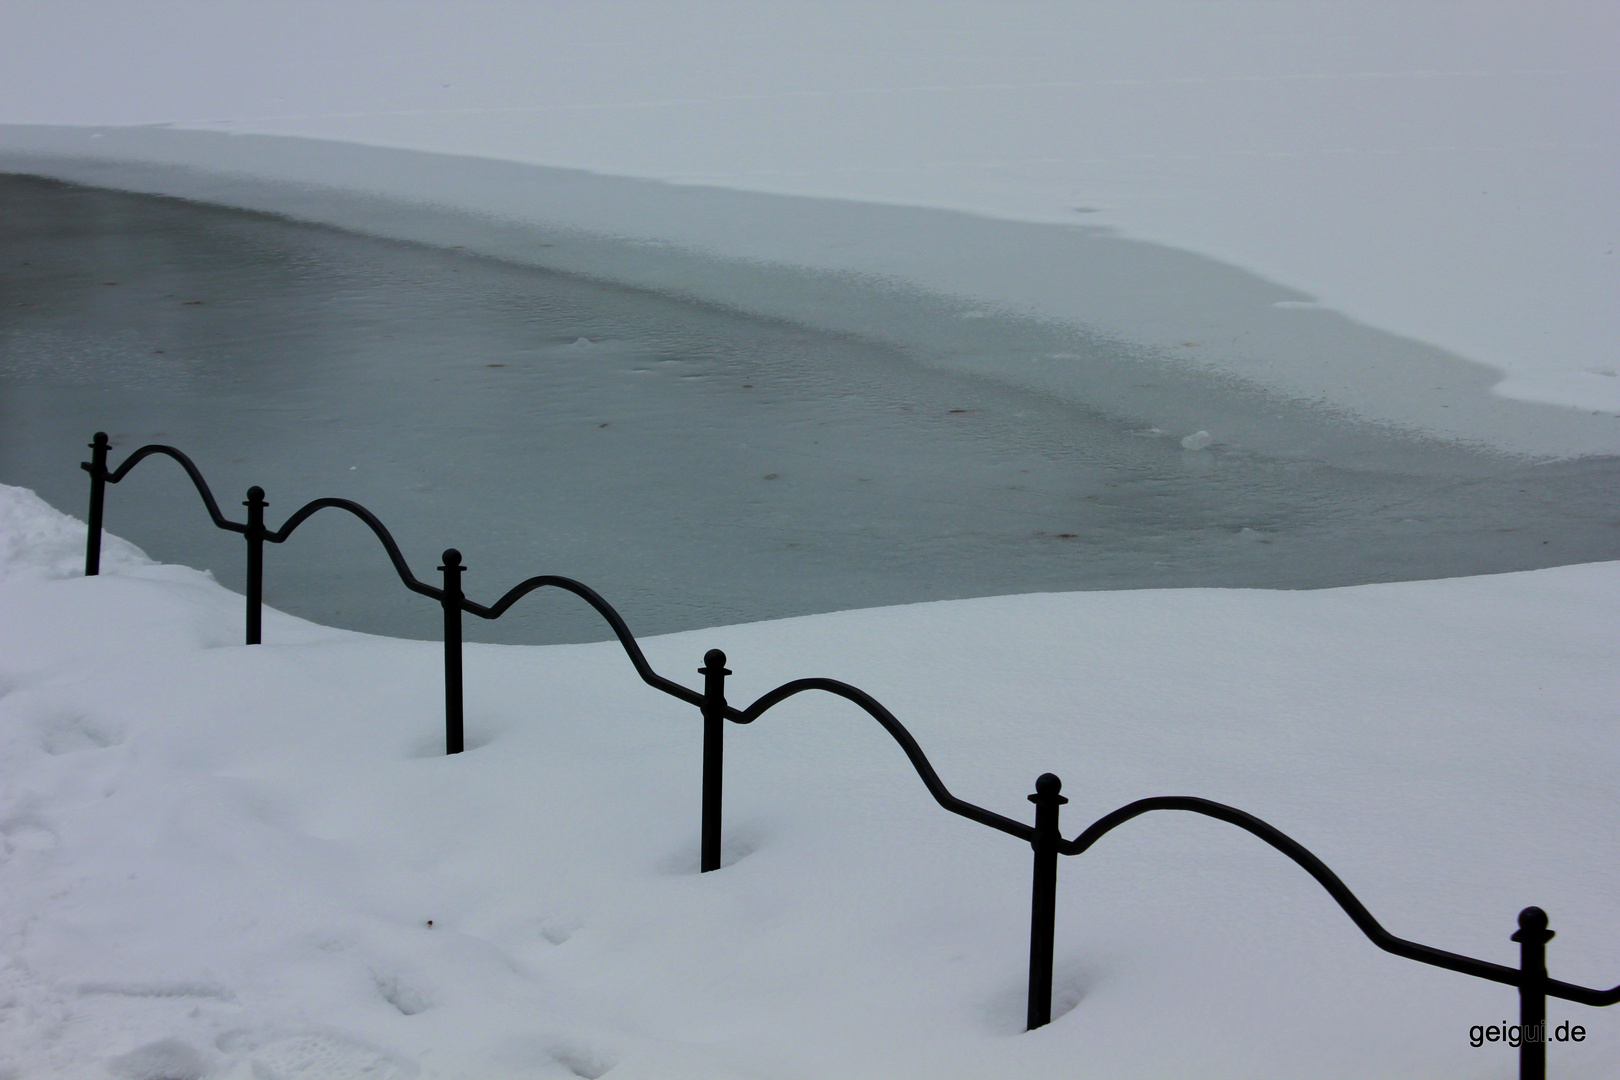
1437,171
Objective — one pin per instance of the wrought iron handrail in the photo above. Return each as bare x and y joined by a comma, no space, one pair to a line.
1335,887
192,471
615,621
395,556
1044,837
908,743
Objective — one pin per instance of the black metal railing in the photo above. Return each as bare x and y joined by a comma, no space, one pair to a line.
1044,836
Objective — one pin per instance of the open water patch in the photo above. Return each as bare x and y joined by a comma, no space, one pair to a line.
697,464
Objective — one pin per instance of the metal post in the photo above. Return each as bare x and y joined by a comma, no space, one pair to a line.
1043,902
714,718
255,562
97,468
453,742
1532,937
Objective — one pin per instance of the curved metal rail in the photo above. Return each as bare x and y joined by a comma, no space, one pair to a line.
1335,887
186,463
401,567
615,621
895,728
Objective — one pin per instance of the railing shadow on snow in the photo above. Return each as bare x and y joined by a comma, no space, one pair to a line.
1044,836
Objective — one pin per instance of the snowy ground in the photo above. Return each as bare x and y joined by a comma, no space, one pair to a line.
223,861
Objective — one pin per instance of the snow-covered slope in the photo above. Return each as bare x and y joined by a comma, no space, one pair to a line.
222,861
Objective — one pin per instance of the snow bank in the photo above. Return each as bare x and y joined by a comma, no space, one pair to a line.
1440,171
36,542
233,862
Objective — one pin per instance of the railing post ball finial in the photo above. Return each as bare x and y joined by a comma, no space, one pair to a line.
99,440
1532,920
713,660
1047,786
452,560
255,494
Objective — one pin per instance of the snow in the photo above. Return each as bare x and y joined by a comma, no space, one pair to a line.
1440,171
243,862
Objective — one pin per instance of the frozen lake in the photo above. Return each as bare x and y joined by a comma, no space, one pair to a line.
696,465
